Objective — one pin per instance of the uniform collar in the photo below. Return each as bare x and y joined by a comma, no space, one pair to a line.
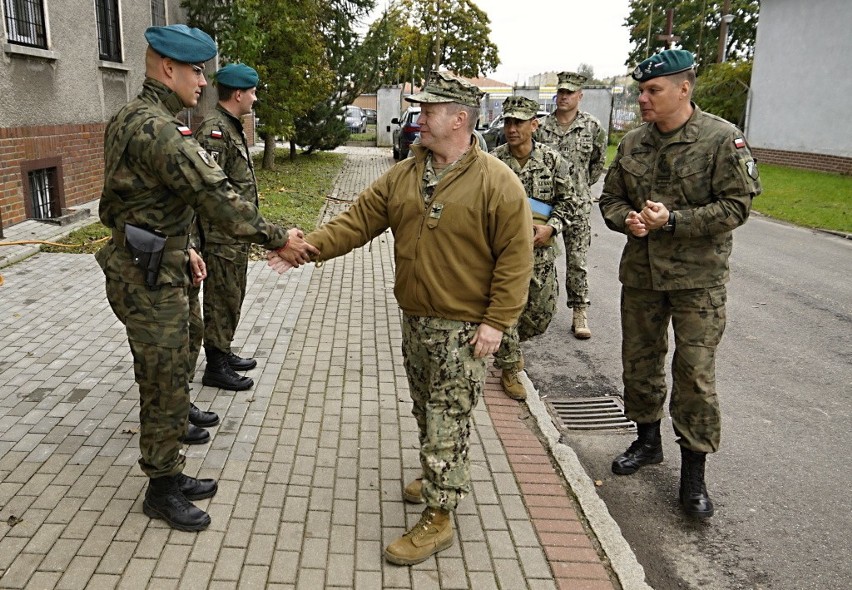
158,91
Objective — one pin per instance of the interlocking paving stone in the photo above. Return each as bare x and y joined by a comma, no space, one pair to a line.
310,463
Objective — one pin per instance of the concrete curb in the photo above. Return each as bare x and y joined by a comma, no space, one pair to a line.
630,573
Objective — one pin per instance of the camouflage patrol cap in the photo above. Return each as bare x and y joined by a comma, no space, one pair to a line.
519,107
570,81
181,43
238,76
665,63
444,87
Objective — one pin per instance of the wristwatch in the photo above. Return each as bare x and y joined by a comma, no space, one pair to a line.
670,224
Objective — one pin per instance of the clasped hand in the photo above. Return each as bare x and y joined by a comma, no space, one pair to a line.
653,216
296,253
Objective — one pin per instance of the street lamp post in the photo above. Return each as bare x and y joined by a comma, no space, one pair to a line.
725,33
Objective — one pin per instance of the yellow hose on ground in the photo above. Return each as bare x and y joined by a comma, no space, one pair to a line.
27,242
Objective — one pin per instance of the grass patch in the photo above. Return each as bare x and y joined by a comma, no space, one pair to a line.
291,195
806,198
369,135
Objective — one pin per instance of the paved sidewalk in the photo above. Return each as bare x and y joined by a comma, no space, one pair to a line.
311,462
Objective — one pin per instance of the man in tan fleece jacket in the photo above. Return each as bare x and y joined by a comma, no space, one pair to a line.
463,247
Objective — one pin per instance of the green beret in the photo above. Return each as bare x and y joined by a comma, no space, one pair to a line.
571,81
444,87
238,76
665,63
181,43
520,107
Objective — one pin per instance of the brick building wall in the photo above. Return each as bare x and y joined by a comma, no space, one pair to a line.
819,162
76,150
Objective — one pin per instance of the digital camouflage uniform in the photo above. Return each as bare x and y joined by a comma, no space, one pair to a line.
157,176
583,145
546,177
705,175
222,135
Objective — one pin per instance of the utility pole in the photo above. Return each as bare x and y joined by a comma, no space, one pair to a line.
668,37
723,31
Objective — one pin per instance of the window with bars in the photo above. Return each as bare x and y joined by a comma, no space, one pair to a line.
44,196
25,22
109,32
158,13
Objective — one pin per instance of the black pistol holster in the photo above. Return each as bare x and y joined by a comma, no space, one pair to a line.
146,247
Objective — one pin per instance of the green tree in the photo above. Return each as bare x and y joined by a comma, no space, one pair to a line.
432,34
697,23
353,63
722,90
283,41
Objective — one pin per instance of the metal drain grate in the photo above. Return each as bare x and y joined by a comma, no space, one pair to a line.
596,414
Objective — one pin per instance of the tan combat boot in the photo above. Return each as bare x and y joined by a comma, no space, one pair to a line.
512,385
580,325
433,533
413,492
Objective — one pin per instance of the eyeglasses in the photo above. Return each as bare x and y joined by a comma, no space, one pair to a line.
199,71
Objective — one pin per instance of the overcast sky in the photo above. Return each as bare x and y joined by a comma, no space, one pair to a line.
535,36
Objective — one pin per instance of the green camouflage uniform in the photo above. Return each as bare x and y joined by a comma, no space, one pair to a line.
705,174
221,134
583,145
546,177
157,176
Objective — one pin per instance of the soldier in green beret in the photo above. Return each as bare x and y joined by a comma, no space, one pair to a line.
221,134
463,249
678,187
581,140
156,177
554,202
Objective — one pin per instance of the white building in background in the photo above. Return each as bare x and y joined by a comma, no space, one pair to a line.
800,108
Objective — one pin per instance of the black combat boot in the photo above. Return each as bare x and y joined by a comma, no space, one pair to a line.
163,499
201,418
693,492
238,363
196,489
645,450
219,373
195,435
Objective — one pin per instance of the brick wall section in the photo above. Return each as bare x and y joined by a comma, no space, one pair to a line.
819,162
81,148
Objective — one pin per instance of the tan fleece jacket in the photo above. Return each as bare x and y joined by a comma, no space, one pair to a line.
467,257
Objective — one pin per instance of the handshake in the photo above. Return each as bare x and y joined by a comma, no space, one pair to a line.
294,254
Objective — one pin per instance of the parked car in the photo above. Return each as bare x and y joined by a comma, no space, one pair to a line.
371,116
405,132
356,119
493,135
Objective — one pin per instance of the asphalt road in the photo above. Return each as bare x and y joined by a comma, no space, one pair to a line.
782,479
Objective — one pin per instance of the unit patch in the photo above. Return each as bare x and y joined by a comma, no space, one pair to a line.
207,159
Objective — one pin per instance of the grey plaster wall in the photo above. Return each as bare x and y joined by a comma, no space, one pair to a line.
801,97
68,83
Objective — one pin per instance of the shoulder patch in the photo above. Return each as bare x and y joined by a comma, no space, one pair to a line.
216,134
206,158
739,143
184,130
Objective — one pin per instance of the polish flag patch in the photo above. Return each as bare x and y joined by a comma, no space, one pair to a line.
739,143
184,130
216,134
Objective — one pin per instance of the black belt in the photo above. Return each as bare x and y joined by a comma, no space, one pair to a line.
172,242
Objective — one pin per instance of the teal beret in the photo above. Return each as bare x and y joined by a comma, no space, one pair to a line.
181,43
237,76
665,63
